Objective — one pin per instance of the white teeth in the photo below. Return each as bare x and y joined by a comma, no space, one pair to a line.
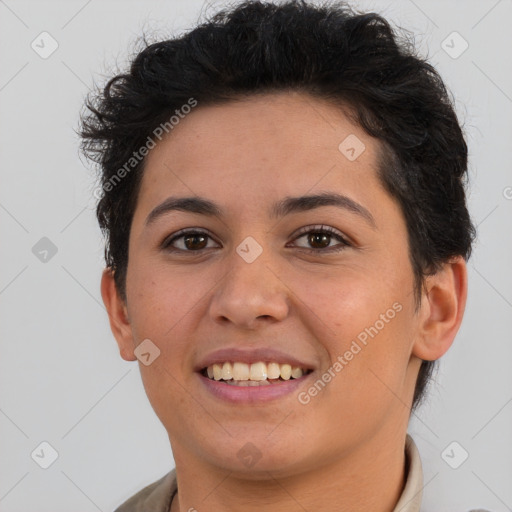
245,383
217,371
286,371
273,371
258,371
297,372
240,371
227,371
255,374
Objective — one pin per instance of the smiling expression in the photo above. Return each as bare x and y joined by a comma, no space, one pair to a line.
256,240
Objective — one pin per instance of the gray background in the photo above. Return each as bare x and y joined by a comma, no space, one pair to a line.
62,380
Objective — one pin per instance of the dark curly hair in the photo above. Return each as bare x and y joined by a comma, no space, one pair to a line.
331,52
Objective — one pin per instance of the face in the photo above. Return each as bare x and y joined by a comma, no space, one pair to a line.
260,275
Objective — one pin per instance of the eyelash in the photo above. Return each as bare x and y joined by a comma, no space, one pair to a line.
327,230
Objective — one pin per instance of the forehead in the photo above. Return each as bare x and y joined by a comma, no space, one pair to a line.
260,147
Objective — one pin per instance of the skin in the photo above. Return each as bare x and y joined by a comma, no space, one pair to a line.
344,450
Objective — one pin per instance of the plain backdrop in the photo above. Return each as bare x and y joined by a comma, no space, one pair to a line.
62,379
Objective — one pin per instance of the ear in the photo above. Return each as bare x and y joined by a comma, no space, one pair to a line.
117,315
443,302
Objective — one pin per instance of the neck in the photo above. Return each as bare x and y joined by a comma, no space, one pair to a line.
370,478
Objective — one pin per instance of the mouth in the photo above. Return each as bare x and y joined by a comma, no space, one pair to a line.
235,373
253,376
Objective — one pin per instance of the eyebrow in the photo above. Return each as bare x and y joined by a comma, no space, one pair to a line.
282,208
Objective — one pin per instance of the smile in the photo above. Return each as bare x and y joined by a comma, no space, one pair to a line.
255,374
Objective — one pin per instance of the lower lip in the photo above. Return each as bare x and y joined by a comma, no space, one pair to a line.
252,394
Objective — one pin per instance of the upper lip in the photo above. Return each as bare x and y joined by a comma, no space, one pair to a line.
250,356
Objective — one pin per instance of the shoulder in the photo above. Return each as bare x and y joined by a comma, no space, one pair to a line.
155,497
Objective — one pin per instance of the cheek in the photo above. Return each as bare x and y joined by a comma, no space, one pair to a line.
364,324
342,304
159,298
162,304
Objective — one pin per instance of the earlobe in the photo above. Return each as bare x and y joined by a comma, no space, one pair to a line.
442,309
117,315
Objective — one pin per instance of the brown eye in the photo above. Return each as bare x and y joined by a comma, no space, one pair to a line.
194,242
319,238
187,241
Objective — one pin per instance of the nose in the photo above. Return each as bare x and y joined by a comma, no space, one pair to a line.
250,294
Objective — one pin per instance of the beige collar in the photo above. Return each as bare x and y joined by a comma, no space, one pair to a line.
410,500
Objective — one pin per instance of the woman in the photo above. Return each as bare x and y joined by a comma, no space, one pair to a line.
282,191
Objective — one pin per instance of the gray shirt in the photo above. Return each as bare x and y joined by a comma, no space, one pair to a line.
157,496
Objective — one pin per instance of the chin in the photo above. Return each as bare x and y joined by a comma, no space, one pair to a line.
254,457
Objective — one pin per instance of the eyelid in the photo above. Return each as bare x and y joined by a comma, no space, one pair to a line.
185,231
317,228
345,241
